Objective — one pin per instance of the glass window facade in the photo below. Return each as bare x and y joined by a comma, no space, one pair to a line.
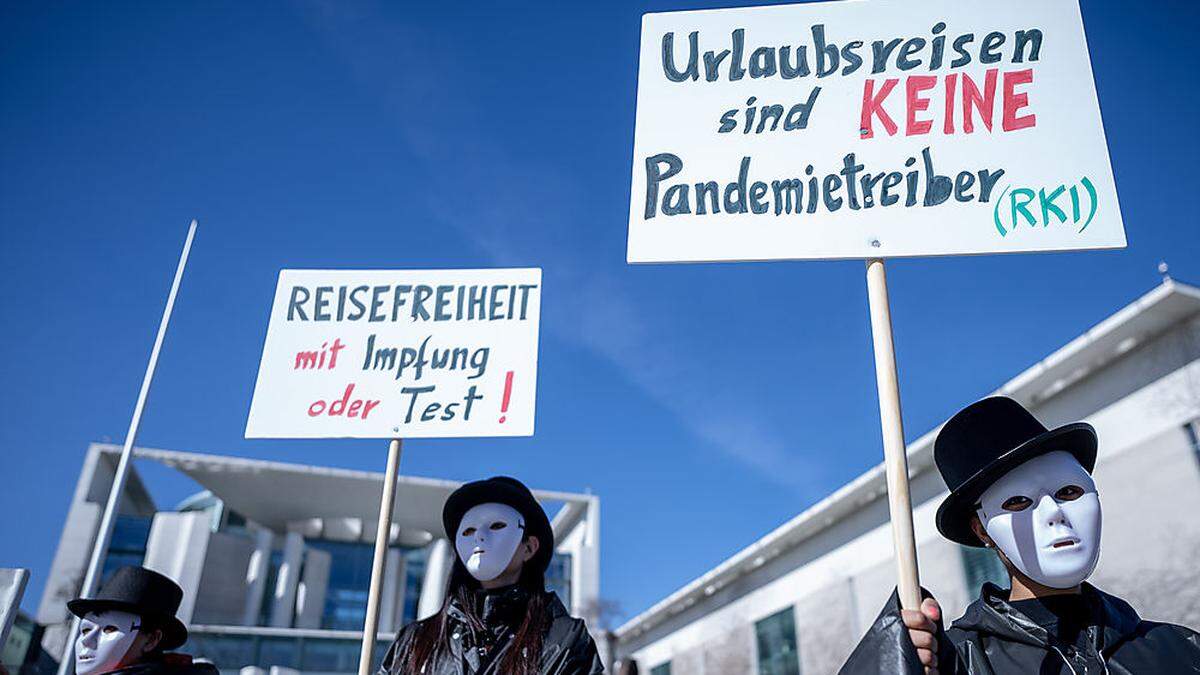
278,651
264,611
128,546
980,565
775,637
558,577
661,669
414,568
350,579
231,653
330,656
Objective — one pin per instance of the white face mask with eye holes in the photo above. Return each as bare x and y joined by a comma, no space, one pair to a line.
104,641
487,539
1045,516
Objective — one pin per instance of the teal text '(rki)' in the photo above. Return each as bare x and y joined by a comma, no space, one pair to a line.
1039,207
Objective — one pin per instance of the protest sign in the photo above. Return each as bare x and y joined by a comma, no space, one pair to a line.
872,130
399,354
868,130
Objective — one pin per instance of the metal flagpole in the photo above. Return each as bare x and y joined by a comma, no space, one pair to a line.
895,456
387,502
104,535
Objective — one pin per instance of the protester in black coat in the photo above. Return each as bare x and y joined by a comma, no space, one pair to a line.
497,618
993,637
130,626
1025,492
1114,640
480,645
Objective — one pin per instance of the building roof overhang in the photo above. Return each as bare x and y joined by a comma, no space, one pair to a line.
283,496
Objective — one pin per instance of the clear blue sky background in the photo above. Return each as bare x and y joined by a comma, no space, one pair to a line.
705,404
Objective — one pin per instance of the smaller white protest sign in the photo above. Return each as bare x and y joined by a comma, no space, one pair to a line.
399,354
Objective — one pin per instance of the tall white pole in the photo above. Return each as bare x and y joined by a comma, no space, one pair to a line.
895,456
104,535
387,502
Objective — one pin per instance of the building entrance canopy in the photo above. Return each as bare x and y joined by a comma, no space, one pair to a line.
337,503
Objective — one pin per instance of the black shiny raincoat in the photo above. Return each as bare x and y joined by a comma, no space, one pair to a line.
567,648
993,638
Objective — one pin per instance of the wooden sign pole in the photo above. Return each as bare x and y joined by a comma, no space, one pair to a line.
378,565
895,457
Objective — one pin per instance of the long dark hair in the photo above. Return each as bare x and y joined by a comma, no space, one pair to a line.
525,651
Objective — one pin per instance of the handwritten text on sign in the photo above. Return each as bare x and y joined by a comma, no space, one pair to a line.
868,129
407,354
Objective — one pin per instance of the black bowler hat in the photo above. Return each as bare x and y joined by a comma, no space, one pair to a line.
986,440
140,591
510,492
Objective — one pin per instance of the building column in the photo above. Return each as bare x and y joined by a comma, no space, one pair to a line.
177,547
585,564
437,575
393,577
582,543
314,584
283,599
256,576
401,593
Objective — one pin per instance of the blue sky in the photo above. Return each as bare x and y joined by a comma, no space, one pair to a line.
705,404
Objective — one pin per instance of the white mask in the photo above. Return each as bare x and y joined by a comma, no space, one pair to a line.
487,539
104,641
1045,516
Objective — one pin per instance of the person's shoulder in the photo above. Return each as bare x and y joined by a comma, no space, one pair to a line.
576,627
1158,636
972,617
400,645
958,633
567,628
1163,630
408,632
569,645
559,614
962,638
967,629
414,626
1155,647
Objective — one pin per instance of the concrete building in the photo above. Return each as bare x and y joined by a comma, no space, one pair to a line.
799,599
275,559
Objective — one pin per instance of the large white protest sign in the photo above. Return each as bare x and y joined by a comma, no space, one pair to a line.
399,354
867,130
